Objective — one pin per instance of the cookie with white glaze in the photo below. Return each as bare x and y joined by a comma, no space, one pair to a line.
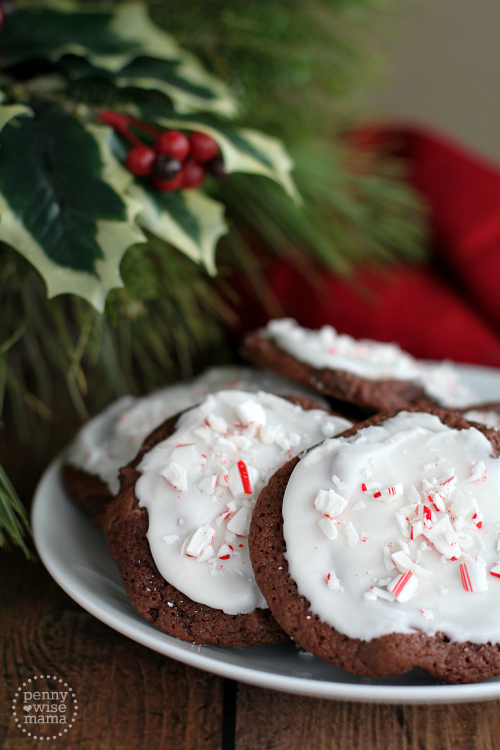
179,525
486,414
111,439
373,375
375,611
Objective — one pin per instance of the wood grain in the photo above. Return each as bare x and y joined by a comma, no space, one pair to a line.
277,721
129,697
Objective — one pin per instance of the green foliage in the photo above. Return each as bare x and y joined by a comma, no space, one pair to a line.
187,219
86,226
296,66
14,526
51,179
121,44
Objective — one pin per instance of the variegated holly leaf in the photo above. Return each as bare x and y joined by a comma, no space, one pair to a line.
9,111
59,204
186,219
243,150
123,43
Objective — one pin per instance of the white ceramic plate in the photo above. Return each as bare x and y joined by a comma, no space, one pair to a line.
76,555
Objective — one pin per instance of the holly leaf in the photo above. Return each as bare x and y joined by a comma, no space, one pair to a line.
61,206
123,44
243,150
186,219
9,111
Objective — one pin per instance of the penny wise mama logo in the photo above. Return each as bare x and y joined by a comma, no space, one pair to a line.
44,707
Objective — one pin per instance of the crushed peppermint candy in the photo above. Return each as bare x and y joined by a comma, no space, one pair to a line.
329,503
351,534
339,484
328,527
478,472
242,478
404,586
332,581
473,576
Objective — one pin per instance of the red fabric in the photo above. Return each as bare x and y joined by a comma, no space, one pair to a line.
452,313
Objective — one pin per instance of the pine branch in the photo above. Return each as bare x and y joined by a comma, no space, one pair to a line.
14,525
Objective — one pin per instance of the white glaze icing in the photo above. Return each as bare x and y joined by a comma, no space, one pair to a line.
110,440
487,417
368,359
209,512
401,463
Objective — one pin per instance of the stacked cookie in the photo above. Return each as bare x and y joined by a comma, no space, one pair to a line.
251,518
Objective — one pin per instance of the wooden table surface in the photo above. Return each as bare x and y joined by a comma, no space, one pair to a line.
132,698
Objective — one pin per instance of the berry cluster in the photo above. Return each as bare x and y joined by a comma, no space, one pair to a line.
174,160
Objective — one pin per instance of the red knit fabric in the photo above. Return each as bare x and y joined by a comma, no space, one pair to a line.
450,313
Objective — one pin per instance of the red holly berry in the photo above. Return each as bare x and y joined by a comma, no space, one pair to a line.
203,148
194,174
140,160
170,185
173,143
166,168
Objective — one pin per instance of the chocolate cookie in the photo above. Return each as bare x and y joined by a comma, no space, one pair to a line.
373,395
379,631
486,414
194,559
111,439
371,374
88,491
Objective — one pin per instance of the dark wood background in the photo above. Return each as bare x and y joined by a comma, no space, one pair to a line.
131,698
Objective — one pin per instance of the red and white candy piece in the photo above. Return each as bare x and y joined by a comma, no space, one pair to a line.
444,538
404,586
417,528
242,478
222,476
403,525
240,522
371,486
436,499
478,472
447,482
330,503
225,552
176,475
197,542
473,576
332,581
463,506
495,571
388,494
